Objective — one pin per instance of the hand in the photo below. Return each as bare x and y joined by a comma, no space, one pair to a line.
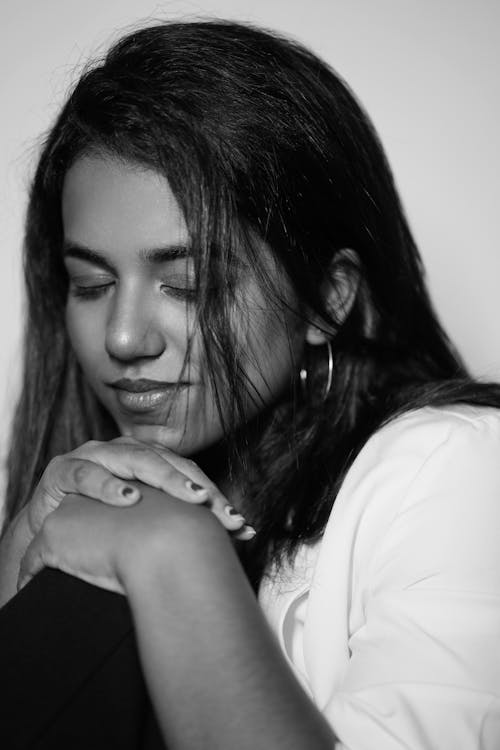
97,470
103,545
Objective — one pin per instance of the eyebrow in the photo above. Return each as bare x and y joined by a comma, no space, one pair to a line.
154,255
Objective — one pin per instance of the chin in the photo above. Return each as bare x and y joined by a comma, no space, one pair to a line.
172,438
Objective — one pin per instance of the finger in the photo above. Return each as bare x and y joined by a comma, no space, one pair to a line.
197,482
245,534
134,460
160,468
83,477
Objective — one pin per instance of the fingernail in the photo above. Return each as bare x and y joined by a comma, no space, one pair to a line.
197,488
128,491
248,531
233,513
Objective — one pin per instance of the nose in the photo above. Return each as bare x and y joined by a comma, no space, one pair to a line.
133,329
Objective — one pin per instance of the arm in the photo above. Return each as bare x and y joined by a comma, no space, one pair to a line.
216,675
13,545
97,470
215,672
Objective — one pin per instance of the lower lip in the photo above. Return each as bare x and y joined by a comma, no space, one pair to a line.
145,401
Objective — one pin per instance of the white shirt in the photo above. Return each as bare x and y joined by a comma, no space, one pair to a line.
392,621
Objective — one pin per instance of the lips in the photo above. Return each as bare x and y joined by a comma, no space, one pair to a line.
144,395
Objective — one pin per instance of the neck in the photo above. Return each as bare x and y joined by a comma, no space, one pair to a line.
228,462
217,464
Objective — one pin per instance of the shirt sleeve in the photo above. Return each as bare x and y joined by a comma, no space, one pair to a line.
424,667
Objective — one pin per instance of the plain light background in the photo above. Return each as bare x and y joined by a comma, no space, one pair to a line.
427,71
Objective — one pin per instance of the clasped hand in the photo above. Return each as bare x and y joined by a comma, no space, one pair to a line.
84,519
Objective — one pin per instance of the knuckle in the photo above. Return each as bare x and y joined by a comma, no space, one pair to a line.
122,439
191,468
164,451
54,465
138,451
86,449
92,444
128,439
140,448
81,472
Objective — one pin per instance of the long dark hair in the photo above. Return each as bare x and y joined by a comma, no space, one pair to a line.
258,138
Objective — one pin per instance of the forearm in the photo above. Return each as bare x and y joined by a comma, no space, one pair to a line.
215,672
12,548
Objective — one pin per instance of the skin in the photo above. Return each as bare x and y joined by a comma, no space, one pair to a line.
138,320
240,692
129,315
136,323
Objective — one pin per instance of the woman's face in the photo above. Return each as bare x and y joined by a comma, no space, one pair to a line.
130,311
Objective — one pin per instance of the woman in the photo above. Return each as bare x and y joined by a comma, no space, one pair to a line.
226,304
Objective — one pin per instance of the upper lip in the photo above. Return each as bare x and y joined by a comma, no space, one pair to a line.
142,385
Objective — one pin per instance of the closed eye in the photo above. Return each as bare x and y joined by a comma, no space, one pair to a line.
89,291
179,280
181,286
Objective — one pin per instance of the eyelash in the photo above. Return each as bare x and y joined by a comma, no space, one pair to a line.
94,292
185,294
88,292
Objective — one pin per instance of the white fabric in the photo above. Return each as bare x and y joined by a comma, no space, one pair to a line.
392,621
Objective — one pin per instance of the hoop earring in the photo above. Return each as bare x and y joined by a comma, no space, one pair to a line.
329,378
303,380
303,375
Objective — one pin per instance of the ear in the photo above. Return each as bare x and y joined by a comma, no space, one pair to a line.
339,292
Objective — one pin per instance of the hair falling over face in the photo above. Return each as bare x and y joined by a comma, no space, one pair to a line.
275,168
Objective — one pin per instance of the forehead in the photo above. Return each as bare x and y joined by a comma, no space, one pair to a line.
109,203
122,210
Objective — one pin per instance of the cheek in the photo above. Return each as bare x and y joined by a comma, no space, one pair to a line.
270,341
84,331
270,353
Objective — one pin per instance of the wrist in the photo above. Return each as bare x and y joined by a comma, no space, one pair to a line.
18,534
166,554
15,540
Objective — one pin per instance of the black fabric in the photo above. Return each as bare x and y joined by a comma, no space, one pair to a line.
69,670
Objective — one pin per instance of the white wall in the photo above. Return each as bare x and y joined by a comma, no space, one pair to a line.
426,70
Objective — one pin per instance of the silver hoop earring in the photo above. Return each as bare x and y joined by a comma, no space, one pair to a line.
303,375
329,379
303,380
